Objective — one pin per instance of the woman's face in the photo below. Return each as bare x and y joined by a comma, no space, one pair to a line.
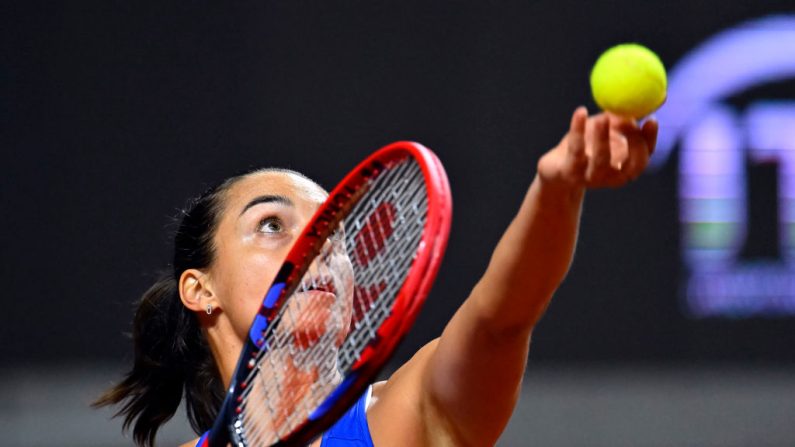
262,216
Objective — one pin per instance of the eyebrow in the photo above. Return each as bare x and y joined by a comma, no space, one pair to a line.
267,199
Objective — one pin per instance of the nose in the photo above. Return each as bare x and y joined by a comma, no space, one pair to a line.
331,267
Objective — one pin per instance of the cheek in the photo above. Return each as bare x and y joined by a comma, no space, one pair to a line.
242,289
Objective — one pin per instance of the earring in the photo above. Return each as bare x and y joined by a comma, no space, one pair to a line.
209,309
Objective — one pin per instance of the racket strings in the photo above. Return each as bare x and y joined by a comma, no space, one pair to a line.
366,276
396,260
300,415
303,358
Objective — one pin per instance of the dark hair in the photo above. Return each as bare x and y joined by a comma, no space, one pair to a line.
171,353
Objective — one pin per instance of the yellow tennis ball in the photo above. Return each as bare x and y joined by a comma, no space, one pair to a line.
629,80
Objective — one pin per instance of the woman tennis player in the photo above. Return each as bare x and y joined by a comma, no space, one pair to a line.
458,390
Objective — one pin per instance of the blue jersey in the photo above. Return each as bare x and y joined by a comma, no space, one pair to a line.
351,429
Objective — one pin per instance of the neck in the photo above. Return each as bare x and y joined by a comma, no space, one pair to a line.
225,350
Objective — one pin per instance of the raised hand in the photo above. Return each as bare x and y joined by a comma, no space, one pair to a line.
599,151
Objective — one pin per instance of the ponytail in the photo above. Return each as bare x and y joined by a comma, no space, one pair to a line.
171,354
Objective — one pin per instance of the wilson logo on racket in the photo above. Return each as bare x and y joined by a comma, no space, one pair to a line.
377,229
363,300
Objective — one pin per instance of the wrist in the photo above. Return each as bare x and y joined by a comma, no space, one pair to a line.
553,193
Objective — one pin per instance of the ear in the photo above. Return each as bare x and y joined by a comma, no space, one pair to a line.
195,290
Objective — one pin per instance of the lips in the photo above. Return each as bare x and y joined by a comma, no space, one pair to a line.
315,298
313,308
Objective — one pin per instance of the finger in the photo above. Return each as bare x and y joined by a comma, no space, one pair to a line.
576,142
650,130
637,156
619,150
575,162
628,147
641,147
600,150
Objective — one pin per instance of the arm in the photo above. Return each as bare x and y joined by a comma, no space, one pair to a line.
469,379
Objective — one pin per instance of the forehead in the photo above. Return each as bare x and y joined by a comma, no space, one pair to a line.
293,186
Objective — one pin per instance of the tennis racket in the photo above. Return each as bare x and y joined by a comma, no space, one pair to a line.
348,291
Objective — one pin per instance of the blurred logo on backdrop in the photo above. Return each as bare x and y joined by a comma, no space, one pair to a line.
717,143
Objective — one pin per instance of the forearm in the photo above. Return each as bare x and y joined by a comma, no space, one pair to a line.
531,259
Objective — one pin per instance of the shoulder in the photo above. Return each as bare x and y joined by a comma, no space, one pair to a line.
400,412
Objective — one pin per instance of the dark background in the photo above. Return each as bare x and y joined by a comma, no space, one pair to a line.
114,113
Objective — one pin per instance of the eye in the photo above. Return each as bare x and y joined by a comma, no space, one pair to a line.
270,224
